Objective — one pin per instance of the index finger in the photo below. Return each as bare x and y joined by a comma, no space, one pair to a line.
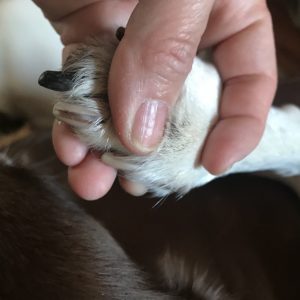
246,62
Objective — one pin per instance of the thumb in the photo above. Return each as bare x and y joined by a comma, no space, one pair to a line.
150,66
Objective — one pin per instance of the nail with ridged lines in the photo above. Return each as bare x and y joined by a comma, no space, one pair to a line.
149,124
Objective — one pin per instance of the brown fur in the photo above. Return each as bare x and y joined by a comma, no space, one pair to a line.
52,249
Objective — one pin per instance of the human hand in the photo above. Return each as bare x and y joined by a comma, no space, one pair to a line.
150,65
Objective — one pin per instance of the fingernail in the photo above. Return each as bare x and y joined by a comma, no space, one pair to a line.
149,125
226,169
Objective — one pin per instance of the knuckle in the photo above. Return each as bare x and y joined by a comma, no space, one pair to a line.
170,58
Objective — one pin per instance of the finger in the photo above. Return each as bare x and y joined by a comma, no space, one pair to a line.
246,62
67,147
150,65
134,188
100,17
229,142
91,179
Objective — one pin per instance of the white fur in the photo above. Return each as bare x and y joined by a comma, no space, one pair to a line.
180,275
5,159
173,166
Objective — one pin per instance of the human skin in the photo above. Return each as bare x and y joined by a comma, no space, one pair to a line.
163,36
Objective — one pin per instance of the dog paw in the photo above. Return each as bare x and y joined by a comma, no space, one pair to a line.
83,105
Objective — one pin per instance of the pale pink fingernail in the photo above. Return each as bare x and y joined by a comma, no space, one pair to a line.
149,124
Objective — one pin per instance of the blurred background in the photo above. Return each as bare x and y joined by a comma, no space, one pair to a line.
28,46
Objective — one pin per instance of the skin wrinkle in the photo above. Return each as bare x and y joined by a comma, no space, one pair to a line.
245,117
176,55
241,81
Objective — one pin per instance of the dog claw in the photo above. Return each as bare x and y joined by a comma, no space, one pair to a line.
75,115
57,81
